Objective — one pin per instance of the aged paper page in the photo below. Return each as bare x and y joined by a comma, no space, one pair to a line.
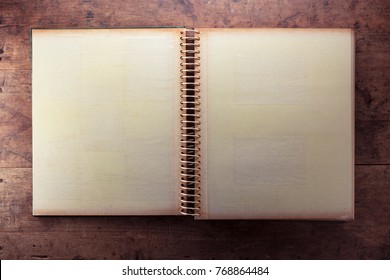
279,124
105,121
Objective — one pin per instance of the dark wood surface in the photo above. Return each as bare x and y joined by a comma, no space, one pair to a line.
25,237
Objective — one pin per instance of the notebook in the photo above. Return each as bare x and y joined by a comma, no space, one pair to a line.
210,123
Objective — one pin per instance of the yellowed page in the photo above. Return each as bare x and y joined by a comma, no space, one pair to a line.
105,121
279,123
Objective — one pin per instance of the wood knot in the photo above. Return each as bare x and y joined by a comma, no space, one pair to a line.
90,14
356,25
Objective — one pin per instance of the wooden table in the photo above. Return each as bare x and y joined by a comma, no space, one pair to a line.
25,237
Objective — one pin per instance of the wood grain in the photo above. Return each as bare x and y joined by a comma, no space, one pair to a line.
25,237
15,130
372,142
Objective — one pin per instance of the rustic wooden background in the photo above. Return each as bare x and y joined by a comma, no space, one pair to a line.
25,237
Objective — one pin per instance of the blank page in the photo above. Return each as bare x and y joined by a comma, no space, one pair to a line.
278,130
104,121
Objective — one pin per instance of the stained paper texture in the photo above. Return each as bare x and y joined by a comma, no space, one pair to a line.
105,121
279,124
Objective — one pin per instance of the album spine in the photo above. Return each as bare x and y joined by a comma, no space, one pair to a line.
190,123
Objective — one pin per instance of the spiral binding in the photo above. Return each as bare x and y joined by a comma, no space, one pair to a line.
190,123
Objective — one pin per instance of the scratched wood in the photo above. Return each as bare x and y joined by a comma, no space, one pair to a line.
25,237
372,143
